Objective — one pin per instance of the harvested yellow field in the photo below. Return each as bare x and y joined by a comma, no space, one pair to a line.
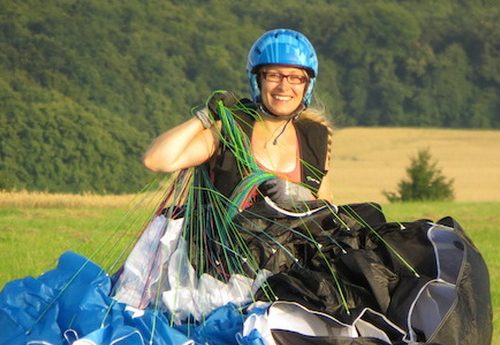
368,161
44,199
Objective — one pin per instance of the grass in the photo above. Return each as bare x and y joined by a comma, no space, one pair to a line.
32,238
481,222
35,230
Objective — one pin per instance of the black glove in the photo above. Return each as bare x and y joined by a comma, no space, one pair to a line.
228,98
285,192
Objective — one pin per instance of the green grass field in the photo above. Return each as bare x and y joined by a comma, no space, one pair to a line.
31,239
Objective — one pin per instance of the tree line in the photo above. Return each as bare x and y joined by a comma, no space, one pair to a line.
86,85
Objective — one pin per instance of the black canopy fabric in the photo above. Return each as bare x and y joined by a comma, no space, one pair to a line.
338,275
393,283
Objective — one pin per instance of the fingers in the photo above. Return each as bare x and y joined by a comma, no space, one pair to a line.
228,99
274,189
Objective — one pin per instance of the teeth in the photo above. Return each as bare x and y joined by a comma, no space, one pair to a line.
282,98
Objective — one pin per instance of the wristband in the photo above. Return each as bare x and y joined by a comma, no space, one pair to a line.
204,118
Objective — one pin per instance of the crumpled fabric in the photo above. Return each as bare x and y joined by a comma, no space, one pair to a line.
71,304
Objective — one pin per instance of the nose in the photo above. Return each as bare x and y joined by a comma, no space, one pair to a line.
283,84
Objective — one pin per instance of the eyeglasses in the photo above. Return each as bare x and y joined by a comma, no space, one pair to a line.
276,77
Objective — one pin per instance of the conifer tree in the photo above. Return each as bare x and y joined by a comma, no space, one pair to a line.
425,181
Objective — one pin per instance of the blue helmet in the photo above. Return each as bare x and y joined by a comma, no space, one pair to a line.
282,47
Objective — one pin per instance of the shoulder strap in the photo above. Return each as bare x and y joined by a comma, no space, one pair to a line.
314,143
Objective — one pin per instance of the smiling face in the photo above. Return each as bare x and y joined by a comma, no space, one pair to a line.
282,88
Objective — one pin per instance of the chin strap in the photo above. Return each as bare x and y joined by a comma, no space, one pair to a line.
289,118
293,116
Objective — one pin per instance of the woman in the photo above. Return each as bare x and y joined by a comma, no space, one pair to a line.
287,138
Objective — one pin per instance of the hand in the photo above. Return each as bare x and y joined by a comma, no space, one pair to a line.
228,98
285,192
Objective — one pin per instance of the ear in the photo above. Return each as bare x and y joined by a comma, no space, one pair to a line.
258,77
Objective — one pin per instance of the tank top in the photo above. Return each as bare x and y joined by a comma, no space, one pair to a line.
292,176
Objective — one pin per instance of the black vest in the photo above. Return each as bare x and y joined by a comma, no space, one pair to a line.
313,148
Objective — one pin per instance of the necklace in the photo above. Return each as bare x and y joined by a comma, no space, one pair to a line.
275,141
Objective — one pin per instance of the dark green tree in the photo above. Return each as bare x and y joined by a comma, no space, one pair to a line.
425,181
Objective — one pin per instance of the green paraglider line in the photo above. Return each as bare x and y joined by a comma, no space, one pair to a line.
209,217
391,248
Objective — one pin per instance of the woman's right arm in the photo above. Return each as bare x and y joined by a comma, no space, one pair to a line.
186,145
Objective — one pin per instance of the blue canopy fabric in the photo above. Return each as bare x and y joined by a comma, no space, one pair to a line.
71,303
